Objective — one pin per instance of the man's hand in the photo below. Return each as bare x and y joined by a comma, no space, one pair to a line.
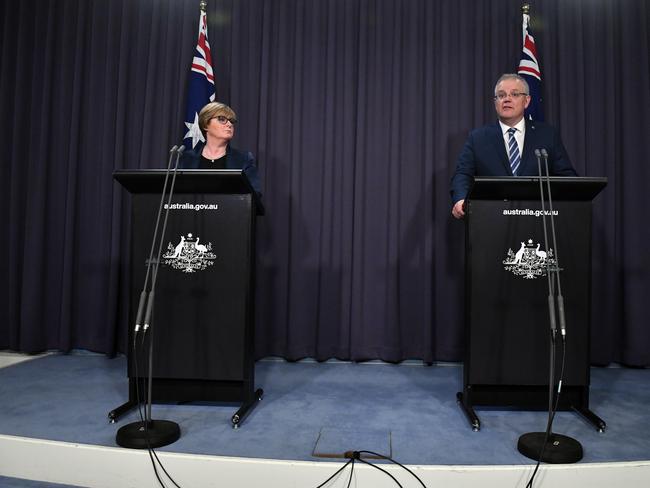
458,210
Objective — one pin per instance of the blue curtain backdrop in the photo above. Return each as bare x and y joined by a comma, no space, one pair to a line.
356,111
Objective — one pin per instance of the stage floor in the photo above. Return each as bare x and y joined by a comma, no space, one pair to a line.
408,411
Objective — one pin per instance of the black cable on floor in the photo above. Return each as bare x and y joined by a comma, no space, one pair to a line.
551,417
382,470
153,464
395,462
356,456
153,456
137,379
351,472
335,473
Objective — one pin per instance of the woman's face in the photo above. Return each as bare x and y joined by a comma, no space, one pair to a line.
220,128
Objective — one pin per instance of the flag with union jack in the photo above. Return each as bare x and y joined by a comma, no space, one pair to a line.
530,71
201,86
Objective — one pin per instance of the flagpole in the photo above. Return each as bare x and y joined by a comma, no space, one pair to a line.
525,16
201,87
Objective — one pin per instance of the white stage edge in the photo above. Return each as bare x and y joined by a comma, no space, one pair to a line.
109,467
8,358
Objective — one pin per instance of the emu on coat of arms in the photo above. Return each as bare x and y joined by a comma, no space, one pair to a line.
529,261
189,255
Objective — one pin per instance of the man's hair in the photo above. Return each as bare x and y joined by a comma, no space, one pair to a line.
511,76
210,111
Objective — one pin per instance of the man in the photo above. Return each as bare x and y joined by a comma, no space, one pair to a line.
507,147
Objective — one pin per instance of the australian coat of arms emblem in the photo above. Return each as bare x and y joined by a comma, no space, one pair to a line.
189,255
529,261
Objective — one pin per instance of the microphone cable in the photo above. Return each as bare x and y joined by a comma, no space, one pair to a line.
551,418
351,461
356,456
383,471
394,462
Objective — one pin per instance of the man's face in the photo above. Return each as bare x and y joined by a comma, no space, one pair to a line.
510,109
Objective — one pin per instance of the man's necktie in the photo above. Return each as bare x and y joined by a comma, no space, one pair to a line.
513,151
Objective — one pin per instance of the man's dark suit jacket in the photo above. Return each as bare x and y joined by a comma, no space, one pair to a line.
484,154
235,159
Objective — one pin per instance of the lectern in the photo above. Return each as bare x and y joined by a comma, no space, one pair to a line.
204,305
507,332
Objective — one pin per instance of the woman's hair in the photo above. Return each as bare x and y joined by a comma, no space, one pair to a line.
210,111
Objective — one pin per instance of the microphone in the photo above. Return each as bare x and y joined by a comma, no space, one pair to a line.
138,319
551,296
179,151
170,193
143,294
560,298
147,317
560,306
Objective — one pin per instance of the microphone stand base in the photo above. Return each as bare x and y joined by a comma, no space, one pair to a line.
148,435
559,449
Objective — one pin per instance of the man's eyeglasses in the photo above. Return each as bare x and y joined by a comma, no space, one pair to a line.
501,96
222,119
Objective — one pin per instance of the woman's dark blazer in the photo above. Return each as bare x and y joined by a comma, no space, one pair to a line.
235,159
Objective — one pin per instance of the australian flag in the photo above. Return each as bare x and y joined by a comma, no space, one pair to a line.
201,85
530,71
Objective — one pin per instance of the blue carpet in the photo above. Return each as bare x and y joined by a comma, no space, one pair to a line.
335,443
67,398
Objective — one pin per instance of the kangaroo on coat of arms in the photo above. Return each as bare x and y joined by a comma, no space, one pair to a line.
188,255
529,261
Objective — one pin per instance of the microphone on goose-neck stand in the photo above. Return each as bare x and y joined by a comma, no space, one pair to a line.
148,319
549,274
170,194
548,446
143,294
556,269
148,433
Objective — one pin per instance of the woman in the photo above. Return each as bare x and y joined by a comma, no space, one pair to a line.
217,123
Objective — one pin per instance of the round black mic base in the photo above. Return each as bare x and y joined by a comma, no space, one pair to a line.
157,433
559,449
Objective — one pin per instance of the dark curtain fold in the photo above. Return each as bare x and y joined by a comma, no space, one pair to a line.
356,111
